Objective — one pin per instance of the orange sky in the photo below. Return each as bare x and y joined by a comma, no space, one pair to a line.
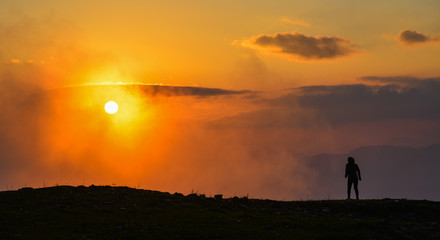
203,43
271,83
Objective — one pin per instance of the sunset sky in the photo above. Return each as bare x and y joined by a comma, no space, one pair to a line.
265,98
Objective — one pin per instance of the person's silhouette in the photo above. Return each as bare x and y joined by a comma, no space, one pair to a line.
352,172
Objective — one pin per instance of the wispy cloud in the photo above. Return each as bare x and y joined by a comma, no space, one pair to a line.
303,47
407,81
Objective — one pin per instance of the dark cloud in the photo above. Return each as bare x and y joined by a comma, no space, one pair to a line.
313,106
411,37
188,91
358,103
161,90
306,47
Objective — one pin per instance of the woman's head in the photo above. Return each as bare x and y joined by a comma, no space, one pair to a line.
350,159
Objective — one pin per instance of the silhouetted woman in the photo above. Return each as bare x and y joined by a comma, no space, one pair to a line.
352,172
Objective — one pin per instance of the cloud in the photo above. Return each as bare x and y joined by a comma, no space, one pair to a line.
401,98
162,137
158,138
362,103
410,37
295,22
172,139
391,79
408,82
334,119
304,47
165,90
189,91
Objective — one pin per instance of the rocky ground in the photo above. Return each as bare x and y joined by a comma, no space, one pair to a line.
104,212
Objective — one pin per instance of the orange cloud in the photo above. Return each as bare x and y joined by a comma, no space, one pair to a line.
303,47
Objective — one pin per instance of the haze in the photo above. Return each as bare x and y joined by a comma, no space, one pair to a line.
257,98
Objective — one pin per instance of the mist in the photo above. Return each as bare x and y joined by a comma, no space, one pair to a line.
195,139
161,141
54,130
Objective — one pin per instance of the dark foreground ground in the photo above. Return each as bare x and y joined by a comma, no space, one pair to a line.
124,213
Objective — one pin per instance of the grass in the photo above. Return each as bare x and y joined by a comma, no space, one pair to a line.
104,212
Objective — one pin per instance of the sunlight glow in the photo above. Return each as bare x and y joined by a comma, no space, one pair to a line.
111,107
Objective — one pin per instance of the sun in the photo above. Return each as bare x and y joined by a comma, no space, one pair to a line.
111,107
